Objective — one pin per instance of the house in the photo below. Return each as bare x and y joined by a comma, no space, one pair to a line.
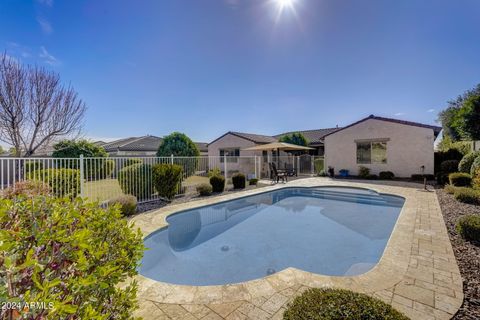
141,146
382,144
232,143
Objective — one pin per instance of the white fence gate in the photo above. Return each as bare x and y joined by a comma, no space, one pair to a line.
102,179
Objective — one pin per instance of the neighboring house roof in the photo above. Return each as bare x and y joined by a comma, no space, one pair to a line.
255,138
99,143
202,146
436,129
314,137
144,144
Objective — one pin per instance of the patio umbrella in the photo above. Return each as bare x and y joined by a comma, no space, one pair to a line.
277,146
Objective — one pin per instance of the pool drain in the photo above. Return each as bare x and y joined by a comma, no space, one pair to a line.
270,271
225,248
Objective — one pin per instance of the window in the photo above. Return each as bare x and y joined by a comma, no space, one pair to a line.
265,156
371,152
231,153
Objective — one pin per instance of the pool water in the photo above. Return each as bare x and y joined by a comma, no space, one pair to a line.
326,230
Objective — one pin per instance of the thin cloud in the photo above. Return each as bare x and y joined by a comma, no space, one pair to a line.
18,49
48,3
45,25
431,110
399,114
47,57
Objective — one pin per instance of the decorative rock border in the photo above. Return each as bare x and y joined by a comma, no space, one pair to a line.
417,273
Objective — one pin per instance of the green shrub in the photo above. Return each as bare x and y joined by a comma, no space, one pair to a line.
460,179
442,178
386,175
218,183
131,161
476,179
108,167
204,189
451,154
363,172
214,172
253,182
27,188
449,166
238,181
127,204
465,164
475,166
449,189
336,304
32,165
76,148
469,227
136,180
372,177
72,254
319,165
167,179
419,177
62,182
97,169
467,195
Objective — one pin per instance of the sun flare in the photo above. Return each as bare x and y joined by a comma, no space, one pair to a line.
285,4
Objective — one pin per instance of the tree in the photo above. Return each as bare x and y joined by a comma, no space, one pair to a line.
454,117
471,115
295,138
2,150
179,145
75,148
446,144
35,107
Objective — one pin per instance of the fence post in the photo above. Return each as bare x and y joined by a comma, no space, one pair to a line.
171,158
82,175
225,166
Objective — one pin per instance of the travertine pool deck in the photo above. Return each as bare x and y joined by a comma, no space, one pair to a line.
417,273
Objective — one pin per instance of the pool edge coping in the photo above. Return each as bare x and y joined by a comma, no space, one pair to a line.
388,272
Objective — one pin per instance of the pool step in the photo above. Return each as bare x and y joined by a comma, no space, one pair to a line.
374,199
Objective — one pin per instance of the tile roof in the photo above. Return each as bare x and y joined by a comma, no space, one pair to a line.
436,129
145,143
255,138
202,146
314,137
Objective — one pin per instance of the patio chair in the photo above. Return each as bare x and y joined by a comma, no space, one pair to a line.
275,174
290,169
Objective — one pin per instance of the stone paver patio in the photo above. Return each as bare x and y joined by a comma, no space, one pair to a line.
417,273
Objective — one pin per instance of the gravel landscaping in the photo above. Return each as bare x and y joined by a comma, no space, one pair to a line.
466,253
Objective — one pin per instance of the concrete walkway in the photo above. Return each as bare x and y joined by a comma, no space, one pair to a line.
417,273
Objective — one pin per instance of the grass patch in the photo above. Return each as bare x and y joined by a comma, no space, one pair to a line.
102,190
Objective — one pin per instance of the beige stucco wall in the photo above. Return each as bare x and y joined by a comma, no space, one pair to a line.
408,148
246,165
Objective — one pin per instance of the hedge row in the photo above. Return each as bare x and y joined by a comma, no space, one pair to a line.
62,182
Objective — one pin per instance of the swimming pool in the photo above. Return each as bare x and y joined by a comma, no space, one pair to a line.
325,230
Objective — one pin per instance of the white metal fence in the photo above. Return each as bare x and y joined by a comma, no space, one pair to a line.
102,179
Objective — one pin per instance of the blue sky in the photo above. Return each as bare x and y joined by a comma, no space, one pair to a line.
204,67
